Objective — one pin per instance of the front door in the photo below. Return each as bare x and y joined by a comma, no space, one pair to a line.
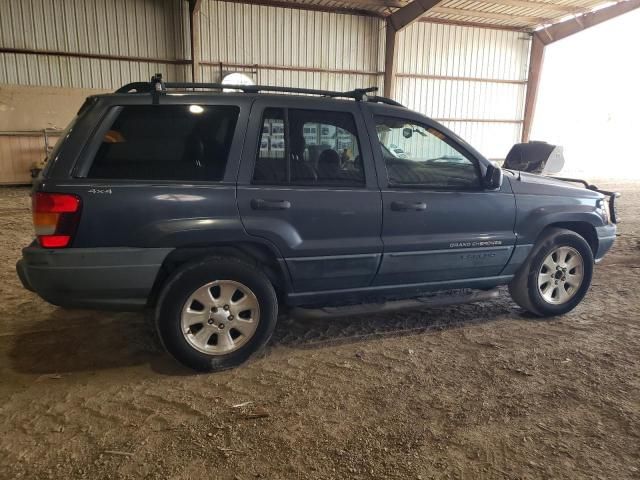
440,224
308,185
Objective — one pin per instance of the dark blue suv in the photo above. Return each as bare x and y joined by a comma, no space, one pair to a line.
218,210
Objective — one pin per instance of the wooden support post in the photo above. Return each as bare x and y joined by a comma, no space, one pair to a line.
390,60
395,22
194,30
533,81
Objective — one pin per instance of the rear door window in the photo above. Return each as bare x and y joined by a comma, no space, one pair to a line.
271,165
167,142
309,148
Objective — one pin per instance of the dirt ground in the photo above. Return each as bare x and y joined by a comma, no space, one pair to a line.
475,391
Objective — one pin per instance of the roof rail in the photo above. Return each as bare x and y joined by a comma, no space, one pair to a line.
157,85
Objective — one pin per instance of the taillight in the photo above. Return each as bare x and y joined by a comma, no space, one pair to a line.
55,218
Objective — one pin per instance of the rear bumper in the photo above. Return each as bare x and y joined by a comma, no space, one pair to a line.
113,278
606,237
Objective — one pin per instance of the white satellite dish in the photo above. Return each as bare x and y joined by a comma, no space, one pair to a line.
236,78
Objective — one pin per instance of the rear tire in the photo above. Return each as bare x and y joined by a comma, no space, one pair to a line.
214,313
556,276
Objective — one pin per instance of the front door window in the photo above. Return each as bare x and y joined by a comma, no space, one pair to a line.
422,157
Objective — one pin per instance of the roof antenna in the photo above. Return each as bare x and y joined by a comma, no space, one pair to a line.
360,94
157,87
157,83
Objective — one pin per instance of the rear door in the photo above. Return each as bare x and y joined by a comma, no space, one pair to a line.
440,224
307,184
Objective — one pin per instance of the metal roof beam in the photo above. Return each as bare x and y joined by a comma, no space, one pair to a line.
568,9
376,3
402,17
194,5
312,7
577,24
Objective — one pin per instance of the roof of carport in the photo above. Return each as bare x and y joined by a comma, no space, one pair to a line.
527,15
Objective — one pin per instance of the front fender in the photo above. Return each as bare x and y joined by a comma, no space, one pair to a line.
535,213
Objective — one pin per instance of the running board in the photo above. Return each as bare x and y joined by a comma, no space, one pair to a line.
449,297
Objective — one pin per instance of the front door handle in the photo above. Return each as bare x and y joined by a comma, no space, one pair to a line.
407,206
262,204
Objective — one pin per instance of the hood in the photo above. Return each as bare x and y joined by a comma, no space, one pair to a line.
532,184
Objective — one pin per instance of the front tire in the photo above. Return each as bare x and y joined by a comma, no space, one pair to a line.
214,313
557,275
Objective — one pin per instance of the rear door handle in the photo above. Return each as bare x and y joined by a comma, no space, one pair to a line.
406,206
262,204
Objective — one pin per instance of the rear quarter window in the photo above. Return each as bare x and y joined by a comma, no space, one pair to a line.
167,142
53,155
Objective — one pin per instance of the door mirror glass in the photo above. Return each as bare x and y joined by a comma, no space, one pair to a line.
493,178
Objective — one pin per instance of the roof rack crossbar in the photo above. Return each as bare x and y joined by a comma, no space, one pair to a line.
157,85
358,94
388,101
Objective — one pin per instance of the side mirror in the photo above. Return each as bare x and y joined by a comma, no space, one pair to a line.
493,178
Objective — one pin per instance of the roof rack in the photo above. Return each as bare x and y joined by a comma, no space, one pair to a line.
157,86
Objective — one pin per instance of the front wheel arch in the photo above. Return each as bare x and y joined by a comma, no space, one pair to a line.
585,229
523,288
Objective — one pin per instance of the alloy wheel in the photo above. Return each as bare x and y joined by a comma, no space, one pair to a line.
561,275
220,317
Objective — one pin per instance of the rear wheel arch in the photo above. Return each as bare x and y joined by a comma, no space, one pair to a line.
256,254
188,306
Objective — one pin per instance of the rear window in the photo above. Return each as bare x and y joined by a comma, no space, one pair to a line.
167,142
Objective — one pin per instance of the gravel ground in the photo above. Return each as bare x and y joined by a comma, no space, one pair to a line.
474,391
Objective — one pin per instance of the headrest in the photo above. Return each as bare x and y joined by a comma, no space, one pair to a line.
329,157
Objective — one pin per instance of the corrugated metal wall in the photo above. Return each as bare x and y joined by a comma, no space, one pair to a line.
152,33
291,47
471,79
58,43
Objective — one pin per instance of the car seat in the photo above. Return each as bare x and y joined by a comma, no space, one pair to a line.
329,165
